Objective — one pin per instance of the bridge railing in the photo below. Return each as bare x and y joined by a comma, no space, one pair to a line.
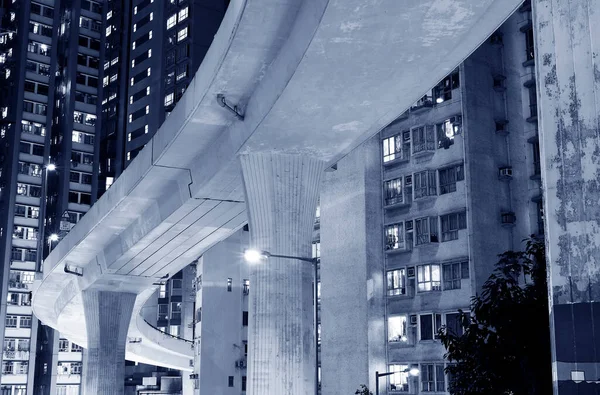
170,335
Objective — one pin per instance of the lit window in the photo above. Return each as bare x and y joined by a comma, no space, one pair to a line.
105,81
147,90
169,99
113,77
146,129
135,10
150,53
152,16
133,63
429,278
171,21
182,34
129,153
106,65
130,99
397,328
150,34
130,120
108,31
109,181
148,71
132,81
147,109
396,282
133,45
183,14
134,27
109,14
114,61
399,380
128,136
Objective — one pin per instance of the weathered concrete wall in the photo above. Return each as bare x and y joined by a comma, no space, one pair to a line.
568,70
352,290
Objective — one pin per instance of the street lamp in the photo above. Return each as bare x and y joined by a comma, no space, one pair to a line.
411,371
257,256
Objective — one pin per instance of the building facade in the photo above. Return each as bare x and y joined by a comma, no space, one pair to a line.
50,60
75,79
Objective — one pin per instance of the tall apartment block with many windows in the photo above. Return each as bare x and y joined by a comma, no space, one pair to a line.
50,71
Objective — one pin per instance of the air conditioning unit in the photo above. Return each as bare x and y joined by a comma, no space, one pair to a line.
508,218
413,319
193,376
505,172
241,364
410,272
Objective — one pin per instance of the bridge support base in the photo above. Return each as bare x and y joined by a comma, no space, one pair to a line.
107,317
281,196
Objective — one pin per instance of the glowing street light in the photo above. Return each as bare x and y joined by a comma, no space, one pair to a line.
255,256
53,237
50,167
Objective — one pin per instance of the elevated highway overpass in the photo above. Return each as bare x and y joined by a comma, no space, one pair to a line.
313,79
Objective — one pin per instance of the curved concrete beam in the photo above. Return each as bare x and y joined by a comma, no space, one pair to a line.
315,77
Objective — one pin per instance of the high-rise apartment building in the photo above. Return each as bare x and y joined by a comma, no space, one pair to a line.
50,58
76,106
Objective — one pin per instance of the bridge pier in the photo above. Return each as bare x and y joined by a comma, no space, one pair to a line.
281,196
568,68
107,317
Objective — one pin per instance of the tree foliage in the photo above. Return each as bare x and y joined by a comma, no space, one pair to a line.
505,344
363,390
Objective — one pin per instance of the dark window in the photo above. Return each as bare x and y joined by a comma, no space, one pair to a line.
451,224
74,176
426,322
532,102
24,148
243,383
230,384
453,273
453,325
37,149
229,284
244,318
443,91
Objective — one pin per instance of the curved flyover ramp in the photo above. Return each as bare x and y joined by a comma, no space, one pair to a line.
314,76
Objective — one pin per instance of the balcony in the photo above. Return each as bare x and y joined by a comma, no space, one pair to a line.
19,355
424,103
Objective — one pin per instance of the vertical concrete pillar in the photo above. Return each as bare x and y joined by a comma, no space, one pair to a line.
352,289
281,196
568,69
107,317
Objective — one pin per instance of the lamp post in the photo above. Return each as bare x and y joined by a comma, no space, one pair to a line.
43,202
256,256
412,371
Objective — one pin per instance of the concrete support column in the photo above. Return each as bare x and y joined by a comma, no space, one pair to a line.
281,196
107,317
352,278
568,69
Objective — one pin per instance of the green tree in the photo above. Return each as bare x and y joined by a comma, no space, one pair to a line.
505,344
363,390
